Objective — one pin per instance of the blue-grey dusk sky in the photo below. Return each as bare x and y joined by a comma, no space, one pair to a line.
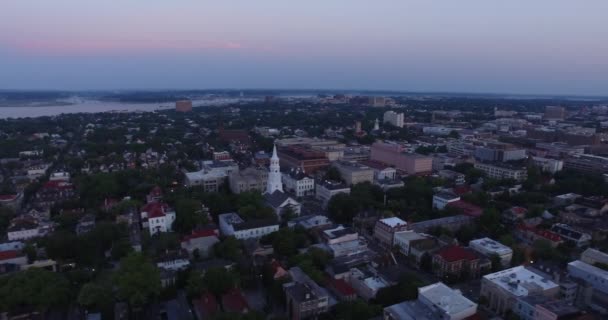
516,46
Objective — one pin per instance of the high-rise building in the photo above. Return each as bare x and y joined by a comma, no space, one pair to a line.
183,106
394,118
274,174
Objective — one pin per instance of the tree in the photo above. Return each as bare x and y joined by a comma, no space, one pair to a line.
333,174
219,280
194,283
489,221
137,280
229,248
34,288
188,215
96,296
341,208
356,310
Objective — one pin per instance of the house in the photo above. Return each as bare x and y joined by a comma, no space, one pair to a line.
489,248
12,201
466,208
27,227
53,192
310,222
234,302
406,239
385,229
231,224
305,299
13,257
278,272
280,202
342,290
531,234
568,233
205,306
157,217
514,215
173,261
456,262
299,183
442,199
341,241
325,190
201,241
367,282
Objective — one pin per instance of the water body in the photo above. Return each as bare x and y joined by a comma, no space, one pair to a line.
94,106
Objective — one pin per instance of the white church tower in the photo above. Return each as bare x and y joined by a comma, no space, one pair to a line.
274,174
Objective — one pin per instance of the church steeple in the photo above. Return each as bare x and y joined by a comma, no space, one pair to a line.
274,173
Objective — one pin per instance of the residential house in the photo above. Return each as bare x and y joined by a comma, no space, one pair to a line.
200,241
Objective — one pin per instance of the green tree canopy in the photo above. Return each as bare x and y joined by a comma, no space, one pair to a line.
137,280
34,288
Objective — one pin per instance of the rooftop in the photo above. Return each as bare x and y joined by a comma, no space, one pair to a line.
491,246
601,273
393,222
450,301
520,281
454,253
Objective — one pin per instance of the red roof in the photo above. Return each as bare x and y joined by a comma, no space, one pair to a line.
155,209
234,301
460,190
57,184
156,192
206,304
9,254
519,210
549,235
454,253
8,197
203,233
343,287
468,209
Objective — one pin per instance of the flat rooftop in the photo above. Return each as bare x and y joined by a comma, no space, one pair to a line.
490,245
519,281
393,222
445,298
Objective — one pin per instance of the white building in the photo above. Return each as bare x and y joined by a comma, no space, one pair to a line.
386,228
502,172
489,247
60,176
404,240
367,284
173,262
435,301
38,171
157,217
394,118
437,131
502,288
233,225
28,227
212,175
325,190
442,199
548,165
593,256
274,174
298,183
353,172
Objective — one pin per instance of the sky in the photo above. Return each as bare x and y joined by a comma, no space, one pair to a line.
478,46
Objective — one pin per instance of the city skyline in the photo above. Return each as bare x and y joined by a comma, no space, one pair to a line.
548,47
